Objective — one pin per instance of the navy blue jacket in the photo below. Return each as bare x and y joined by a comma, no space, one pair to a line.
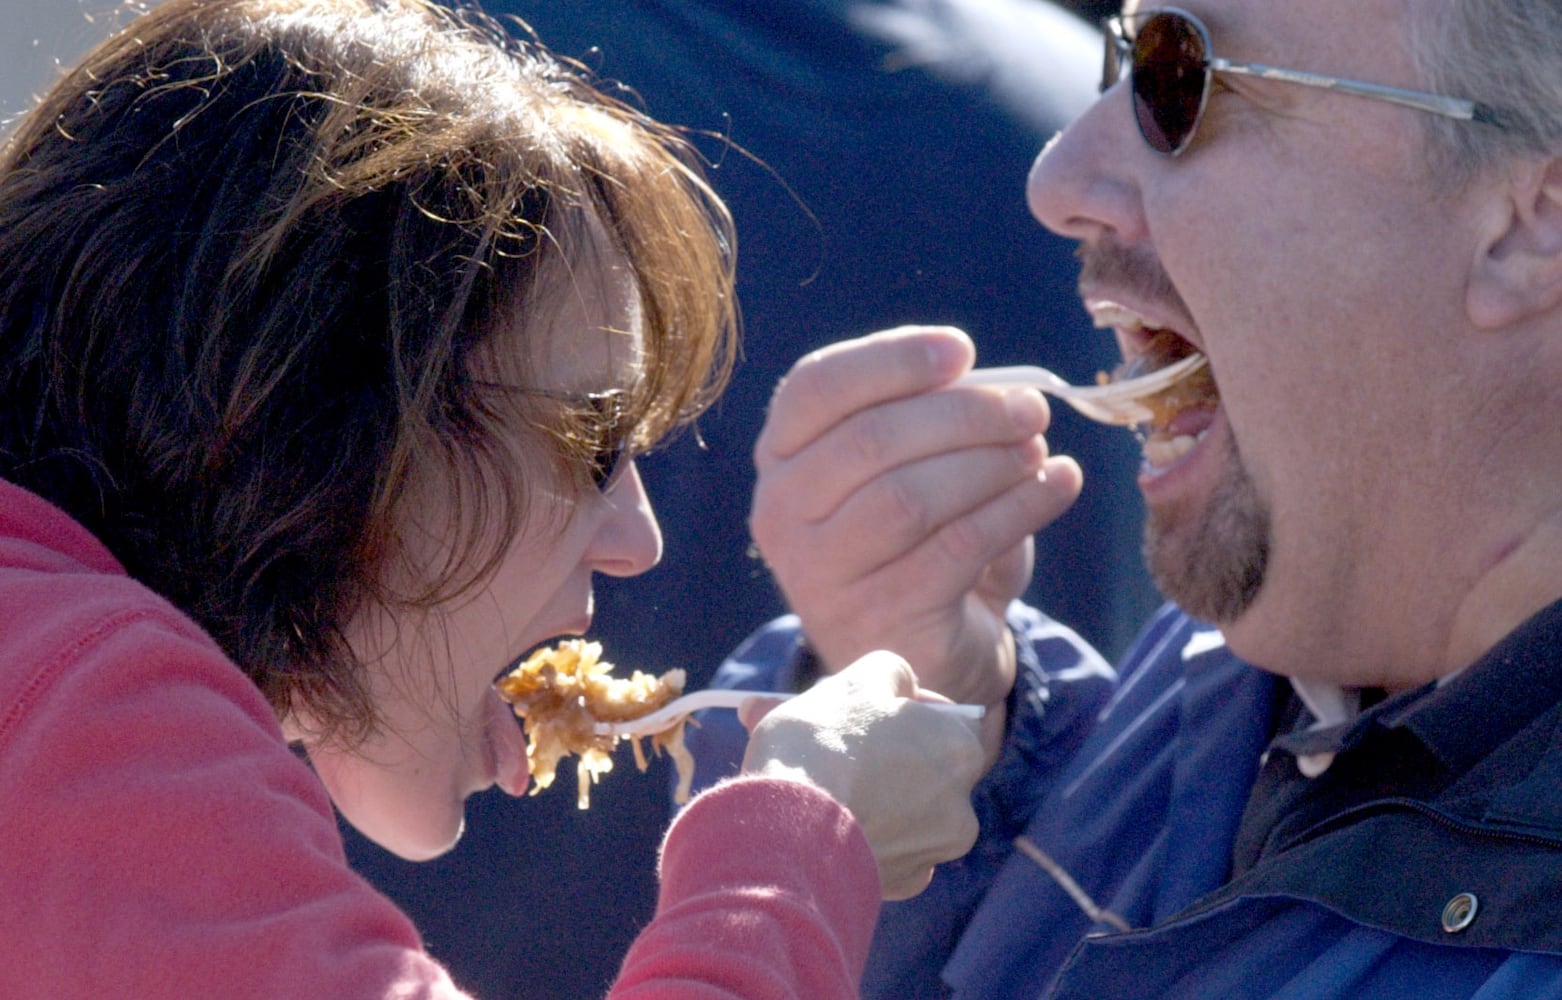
1136,786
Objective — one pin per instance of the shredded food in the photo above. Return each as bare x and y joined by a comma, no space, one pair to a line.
1164,349
561,692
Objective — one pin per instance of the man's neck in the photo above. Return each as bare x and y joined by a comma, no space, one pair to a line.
1520,582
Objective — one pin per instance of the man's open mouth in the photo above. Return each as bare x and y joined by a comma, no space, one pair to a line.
1181,413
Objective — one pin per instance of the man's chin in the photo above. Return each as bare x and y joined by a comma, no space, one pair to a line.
1217,582
1211,557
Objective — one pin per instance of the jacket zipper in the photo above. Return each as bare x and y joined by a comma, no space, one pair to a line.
1341,819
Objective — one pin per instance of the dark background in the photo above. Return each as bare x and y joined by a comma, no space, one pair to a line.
883,183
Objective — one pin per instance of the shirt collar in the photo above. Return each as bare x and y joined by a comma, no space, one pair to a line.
1465,716
1458,719
1461,717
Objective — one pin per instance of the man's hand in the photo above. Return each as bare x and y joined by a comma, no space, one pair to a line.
896,511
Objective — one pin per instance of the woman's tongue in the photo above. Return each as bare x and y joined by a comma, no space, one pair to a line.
509,748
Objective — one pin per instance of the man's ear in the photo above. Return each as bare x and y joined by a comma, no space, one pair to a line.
1518,270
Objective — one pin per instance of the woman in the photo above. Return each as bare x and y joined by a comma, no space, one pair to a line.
329,330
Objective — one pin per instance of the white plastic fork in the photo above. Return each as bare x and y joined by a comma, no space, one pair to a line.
1114,403
668,715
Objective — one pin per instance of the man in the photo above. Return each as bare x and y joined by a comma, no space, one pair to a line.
1367,247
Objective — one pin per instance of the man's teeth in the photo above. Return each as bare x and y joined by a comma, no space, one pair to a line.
1161,450
1110,314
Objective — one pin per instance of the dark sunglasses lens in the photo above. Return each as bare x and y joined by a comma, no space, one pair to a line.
607,464
611,455
1169,77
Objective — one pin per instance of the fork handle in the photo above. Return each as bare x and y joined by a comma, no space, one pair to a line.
1012,375
664,717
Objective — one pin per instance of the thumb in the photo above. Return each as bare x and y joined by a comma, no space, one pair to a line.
752,710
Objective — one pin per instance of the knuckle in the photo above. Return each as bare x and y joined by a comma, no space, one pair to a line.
906,510
962,541
811,382
762,455
902,508
968,829
871,438
982,415
961,759
970,759
974,415
903,881
763,520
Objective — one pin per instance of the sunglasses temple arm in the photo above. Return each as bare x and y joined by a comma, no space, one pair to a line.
1448,107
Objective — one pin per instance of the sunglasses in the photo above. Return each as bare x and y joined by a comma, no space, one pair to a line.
614,444
1167,56
597,429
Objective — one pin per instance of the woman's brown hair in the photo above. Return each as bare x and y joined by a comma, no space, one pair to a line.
250,251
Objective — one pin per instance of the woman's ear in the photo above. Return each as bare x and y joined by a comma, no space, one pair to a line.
1517,272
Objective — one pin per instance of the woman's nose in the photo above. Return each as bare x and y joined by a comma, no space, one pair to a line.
628,540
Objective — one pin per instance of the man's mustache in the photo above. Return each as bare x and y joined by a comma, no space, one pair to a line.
1108,263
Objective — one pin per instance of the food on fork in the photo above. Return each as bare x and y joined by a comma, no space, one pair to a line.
1163,349
562,692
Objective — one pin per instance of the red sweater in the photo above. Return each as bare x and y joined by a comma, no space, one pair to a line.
159,839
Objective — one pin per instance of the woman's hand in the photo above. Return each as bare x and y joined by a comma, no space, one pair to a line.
871,739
